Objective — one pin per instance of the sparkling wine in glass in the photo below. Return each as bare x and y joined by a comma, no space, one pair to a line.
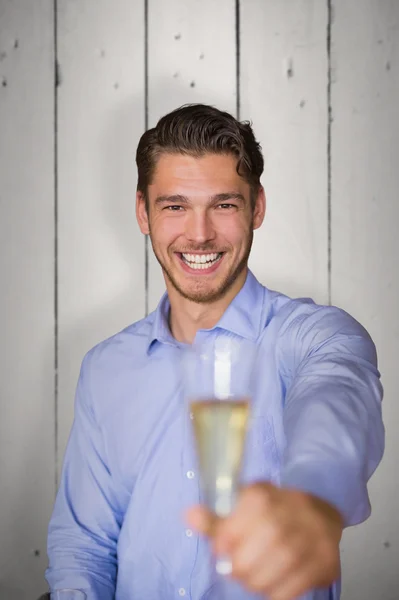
218,375
220,428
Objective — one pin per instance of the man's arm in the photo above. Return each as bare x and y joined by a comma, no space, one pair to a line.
332,413
285,541
86,520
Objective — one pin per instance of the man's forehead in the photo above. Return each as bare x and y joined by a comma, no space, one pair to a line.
209,169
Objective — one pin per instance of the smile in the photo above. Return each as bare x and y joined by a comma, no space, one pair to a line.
201,261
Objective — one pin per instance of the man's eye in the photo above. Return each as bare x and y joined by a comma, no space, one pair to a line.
174,208
226,206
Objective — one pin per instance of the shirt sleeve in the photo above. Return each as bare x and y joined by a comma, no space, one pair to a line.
332,412
86,520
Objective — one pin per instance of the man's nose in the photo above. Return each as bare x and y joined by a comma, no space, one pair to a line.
199,227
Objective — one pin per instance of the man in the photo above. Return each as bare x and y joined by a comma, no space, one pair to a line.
126,522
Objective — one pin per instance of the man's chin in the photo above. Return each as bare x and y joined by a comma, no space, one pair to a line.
200,292
204,288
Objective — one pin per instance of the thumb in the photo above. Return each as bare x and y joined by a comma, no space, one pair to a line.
201,519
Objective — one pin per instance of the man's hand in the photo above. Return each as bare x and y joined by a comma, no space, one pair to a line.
281,542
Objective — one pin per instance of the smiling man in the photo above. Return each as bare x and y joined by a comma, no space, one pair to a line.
127,522
202,235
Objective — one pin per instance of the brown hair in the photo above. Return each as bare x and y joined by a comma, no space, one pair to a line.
198,129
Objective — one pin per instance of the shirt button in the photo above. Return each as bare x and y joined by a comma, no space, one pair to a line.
190,474
189,533
182,592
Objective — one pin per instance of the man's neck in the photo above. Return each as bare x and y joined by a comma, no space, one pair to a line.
187,317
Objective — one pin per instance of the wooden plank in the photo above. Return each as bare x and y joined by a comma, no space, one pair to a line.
101,117
191,58
284,93
27,468
365,246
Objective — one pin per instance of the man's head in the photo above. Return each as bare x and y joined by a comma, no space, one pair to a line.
199,198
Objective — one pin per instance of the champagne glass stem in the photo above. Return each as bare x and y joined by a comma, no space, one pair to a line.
219,576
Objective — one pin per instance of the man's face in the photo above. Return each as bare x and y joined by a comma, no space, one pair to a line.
200,223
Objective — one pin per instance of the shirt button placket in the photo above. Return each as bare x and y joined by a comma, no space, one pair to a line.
191,497
189,535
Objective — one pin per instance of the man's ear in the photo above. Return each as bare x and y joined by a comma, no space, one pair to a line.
141,213
260,208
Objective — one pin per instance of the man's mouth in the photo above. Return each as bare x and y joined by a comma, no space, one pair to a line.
201,261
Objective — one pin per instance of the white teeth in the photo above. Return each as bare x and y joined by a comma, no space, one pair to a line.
200,258
201,261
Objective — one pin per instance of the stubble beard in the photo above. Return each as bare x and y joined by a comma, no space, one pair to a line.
201,296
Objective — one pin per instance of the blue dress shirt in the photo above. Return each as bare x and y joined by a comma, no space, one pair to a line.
130,471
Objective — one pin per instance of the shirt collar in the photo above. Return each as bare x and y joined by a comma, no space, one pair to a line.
242,317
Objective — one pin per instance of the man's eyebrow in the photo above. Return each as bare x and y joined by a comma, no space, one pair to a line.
225,196
170,199
179,198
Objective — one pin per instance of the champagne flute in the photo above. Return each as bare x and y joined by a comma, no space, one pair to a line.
218,376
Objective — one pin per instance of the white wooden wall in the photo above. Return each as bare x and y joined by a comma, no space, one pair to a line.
27,415
365,252
320,81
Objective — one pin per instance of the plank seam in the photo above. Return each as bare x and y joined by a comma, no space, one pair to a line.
329,122
146,248
238,59
56,84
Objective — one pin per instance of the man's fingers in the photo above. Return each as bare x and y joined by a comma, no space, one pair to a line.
201,519
251,505
254,495
296,584
255,500
271,574
281,542
207,523
248,556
